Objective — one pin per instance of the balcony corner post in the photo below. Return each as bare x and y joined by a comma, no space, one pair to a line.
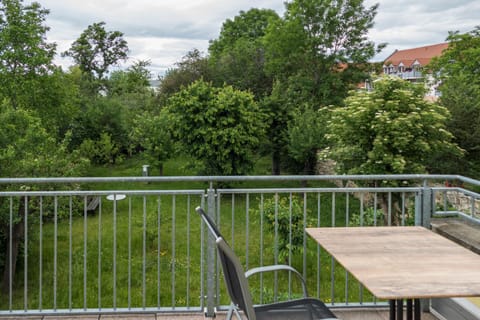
211,252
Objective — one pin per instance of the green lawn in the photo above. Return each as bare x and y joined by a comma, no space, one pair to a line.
166,268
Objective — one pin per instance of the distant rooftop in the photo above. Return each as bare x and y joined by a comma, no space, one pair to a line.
421,55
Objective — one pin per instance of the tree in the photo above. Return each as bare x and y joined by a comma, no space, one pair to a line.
238,55
153,134
192,67
316,54
392,130
457,70
27,150
96,50
218,127
25,55
306,133
325,43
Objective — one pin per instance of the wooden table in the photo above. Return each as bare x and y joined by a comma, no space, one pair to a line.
397,263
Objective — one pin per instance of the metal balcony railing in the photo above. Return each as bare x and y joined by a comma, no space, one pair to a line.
76,245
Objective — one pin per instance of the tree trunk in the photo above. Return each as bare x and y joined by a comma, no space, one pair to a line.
18,232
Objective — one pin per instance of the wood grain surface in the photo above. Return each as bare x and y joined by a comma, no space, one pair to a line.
403,262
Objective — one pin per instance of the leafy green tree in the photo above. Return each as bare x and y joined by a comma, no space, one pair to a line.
27,150
238,55
96,50
192,67
325,43
316,54
457,69
153,134
392,130
25,55
219,127
104,123
306,133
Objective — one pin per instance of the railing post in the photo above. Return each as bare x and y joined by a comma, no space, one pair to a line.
211,250
424,206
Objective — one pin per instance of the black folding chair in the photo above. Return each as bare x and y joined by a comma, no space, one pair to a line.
237,285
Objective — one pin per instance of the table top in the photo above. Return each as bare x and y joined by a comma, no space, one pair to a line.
403,262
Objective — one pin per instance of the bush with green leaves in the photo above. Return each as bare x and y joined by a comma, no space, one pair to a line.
285,218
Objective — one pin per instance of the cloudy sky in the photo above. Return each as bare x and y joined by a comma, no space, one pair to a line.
163,31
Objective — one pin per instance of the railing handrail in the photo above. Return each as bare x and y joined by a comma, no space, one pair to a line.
238,178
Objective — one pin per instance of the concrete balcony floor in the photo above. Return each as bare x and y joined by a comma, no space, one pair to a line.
352,314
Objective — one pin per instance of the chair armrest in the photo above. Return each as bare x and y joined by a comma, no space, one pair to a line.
279,267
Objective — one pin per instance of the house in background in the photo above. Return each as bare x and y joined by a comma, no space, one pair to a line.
408,64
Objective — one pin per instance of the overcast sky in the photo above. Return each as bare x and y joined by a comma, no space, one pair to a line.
163,31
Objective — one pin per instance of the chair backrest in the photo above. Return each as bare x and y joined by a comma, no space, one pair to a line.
233,272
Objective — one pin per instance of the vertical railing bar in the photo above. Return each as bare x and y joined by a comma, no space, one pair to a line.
389,208
218,220
275,290
290,205
188,251
55,252
403,208
233,221
114,254
129,271
40,253
173,265
70,247
362,201
159,243
445,200
261,245
144,252
10,264
362,209
304,235
332,269
472,202
247,233
85,234
202,257
25,273
99,262
347,211
375,204
319,210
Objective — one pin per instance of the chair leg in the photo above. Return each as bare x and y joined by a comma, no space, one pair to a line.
231,311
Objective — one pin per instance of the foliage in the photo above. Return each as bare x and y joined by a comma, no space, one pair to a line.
315,54
370,217
316,40
103,117
192,67
306,133
457,69
285,217
237,57
391,130
25,56
96,50
220,127
153,134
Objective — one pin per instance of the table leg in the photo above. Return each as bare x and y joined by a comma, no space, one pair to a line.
400,309
416,307
409,309
392,309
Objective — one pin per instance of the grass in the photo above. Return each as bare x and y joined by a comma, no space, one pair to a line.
165,270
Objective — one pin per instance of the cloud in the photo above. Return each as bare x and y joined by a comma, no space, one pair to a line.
163,31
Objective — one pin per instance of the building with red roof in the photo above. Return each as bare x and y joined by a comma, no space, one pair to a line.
408,63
